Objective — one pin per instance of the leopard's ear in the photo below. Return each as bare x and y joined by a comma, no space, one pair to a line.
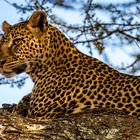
38,22
5,26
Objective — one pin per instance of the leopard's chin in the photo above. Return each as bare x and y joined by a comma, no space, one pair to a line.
5,73
9,74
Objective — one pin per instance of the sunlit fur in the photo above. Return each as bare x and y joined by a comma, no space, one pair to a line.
65,80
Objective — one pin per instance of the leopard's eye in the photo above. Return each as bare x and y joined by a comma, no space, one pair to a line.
5,39
15,45
17,40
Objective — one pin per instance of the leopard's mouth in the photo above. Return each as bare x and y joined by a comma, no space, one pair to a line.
1,66
5,73
20,68
2,63
10,69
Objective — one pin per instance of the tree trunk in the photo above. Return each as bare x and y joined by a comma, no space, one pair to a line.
100,124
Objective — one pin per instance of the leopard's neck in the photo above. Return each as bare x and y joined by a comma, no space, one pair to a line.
59,52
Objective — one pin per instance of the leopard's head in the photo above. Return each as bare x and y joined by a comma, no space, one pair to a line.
21,44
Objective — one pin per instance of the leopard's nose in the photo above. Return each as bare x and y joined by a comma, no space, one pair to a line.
2,63
1,56
2,59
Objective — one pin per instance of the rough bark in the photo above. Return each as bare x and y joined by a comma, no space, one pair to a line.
100,124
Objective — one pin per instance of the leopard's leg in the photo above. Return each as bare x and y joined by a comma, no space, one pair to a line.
23,106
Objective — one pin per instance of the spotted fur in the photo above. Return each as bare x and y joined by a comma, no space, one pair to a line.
65,80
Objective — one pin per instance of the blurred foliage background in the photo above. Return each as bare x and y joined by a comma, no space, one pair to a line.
101,24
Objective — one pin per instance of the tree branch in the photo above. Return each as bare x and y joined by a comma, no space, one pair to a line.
98,124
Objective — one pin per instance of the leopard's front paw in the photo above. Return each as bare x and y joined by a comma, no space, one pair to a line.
23,106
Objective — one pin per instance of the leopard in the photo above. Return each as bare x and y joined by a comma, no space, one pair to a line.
66,81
